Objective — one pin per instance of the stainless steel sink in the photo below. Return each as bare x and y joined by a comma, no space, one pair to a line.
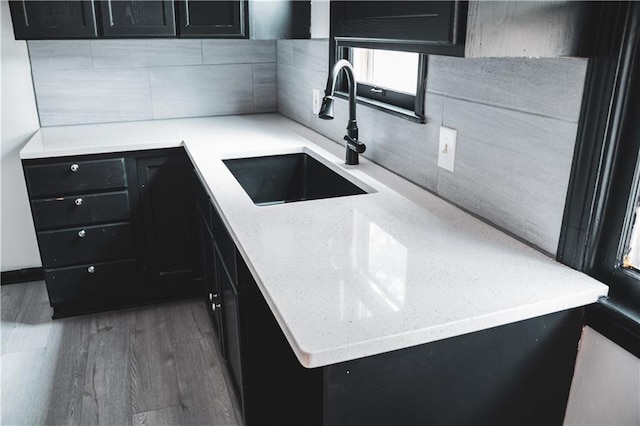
287,178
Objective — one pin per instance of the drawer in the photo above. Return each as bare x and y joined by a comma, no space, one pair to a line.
108,280
83,245
75,177
80,209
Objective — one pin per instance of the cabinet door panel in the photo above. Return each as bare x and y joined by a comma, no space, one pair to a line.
136,18
33,20
231,324
168,209
212,18
87,244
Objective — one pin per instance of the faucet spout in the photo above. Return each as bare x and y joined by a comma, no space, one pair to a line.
354,146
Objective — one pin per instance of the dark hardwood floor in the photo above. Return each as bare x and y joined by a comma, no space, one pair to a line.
154,365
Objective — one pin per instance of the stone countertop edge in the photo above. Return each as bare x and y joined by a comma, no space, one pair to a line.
354,276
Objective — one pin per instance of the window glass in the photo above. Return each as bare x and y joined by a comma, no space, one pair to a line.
389,69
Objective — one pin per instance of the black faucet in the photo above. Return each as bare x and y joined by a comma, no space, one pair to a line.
354,146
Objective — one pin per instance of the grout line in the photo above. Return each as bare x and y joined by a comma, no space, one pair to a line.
475,101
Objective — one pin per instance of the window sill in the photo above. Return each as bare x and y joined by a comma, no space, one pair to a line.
386,108
617,322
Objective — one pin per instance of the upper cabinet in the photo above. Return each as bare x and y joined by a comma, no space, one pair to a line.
34,20
212,18
255,19
469,29
135,18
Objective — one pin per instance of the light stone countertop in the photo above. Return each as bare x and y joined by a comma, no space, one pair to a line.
351,276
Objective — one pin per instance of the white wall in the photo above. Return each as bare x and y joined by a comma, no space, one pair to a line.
606,384
19,121
320,18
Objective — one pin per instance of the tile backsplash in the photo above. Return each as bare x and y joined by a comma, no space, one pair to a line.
97,81
516,121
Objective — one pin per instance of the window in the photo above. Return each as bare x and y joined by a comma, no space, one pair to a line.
391,80
601,225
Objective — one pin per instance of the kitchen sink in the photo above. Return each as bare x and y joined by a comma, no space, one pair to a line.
286,178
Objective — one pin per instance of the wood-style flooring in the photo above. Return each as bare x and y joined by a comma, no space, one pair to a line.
153,365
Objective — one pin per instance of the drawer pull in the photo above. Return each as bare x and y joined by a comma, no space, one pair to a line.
212,296
78,201
74,167
82,233
91,269
214,306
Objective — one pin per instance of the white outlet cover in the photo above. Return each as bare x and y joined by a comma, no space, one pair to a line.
316,101
447,148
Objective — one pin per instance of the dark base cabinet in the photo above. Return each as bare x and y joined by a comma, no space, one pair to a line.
517,373
114,230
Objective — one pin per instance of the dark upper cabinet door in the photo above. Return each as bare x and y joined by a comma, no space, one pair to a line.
439,23
212,18
34,20
169,216
137,18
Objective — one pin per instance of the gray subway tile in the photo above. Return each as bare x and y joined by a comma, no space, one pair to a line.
238,51
310,54
92,96
265,92
144,53
59,54
194,91
549,87
511,168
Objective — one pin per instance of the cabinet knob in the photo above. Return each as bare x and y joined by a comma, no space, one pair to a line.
74,167
91,269
78,201
214,306
213,296
82,233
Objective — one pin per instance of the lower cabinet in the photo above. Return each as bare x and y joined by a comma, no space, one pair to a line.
114,229
518,373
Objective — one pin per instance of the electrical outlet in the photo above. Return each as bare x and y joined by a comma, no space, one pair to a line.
317,100
447,148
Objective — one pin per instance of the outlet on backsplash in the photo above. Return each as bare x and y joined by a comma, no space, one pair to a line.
447,148
316,101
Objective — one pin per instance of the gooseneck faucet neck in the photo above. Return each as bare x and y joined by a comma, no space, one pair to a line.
345,65
354,146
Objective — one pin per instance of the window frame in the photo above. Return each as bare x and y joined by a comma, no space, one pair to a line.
599,211
399,104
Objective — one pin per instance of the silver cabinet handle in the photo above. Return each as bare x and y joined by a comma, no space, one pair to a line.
78,201
82,233
213,296
214,306
91,269
376,90
74,167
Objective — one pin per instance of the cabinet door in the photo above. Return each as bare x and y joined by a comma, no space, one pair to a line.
230,324
168,214
212,18
137,18
34,20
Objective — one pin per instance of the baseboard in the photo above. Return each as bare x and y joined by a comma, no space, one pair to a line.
21,276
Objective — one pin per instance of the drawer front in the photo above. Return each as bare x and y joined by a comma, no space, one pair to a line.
108,280
83,245
75,177
80,209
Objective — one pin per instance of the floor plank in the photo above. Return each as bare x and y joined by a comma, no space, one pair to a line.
153,369
30,327
151,365
66,364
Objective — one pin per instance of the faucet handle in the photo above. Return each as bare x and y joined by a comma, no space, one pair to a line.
355,144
